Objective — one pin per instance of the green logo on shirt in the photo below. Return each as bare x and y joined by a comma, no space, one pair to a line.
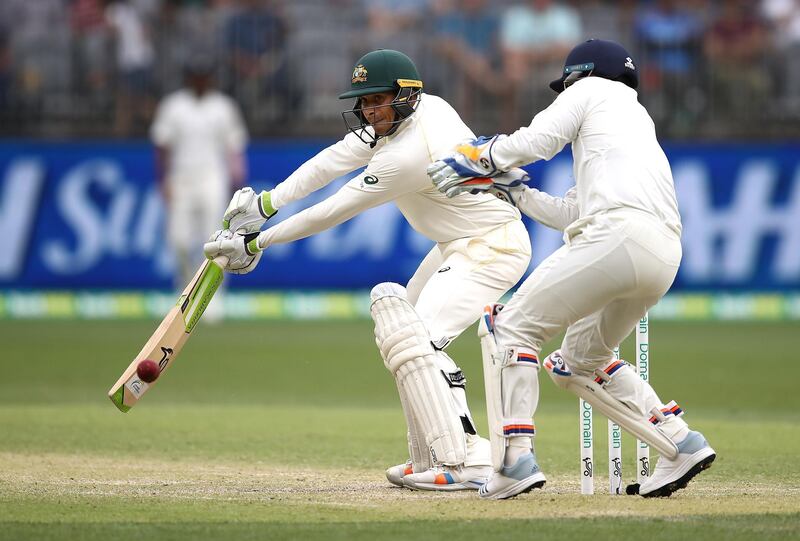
370,179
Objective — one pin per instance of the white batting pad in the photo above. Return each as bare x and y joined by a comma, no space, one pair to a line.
477,448
417,446
408,354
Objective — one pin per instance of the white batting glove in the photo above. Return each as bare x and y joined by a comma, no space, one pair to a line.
242,251
471,160
248,211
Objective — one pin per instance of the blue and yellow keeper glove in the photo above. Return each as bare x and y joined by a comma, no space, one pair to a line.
471,165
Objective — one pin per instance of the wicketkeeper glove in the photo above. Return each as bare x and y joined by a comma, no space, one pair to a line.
505,186
242,251
471,160
248,211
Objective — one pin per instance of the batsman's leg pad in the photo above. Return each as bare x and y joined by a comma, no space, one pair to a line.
595,394
417,447
457,383
512,388
477,447
408,354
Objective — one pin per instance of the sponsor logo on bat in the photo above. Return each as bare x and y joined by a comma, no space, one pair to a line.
166,354
137,387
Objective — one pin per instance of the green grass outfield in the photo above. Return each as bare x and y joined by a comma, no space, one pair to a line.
283,430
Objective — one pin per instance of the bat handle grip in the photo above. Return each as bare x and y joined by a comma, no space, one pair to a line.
221,261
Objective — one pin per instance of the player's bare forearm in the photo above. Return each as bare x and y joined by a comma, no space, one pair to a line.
238,168
161,160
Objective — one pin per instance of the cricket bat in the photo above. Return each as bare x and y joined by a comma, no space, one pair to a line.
171,334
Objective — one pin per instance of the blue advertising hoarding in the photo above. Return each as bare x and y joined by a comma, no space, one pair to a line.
88,215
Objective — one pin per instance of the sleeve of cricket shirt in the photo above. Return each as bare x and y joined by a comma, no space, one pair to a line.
347,155
555,212
373,187
549,131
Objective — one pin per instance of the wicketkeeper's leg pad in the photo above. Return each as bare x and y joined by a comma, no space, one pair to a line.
408,354
511,376
593,389
622,382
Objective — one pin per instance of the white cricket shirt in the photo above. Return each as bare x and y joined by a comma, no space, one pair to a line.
618,162
200,133
396,171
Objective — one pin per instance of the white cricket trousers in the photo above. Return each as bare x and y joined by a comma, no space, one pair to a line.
453,284
195,211
458,278
597,286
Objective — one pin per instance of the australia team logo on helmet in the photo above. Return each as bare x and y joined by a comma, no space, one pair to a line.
359,74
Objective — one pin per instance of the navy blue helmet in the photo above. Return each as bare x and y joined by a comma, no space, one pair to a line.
601,58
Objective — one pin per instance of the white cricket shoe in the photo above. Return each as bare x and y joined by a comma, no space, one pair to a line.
447,478
395,474
514,480
694,456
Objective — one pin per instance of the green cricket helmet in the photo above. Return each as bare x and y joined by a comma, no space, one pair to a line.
380,71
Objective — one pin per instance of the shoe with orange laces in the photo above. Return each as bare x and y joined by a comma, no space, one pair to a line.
395,474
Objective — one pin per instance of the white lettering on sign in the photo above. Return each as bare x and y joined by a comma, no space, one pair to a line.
723,243
94,229
751,233
21,188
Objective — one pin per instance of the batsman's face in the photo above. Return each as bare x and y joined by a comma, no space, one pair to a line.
378,111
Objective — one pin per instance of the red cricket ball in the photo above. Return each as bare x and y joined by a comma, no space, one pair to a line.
147,370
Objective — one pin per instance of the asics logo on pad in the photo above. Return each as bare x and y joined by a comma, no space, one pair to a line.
444,269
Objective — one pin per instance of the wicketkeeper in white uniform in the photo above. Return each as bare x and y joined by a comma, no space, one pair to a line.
200,140
621,254
482,249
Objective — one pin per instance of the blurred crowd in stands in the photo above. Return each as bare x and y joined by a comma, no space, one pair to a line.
712,69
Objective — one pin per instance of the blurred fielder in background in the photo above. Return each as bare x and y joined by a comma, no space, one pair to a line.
200,140
622,250
482,249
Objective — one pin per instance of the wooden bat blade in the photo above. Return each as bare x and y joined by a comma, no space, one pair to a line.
170,336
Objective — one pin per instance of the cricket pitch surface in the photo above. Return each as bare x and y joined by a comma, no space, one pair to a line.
283,431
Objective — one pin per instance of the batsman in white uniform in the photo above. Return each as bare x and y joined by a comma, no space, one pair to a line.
482,249
621,254
200,140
